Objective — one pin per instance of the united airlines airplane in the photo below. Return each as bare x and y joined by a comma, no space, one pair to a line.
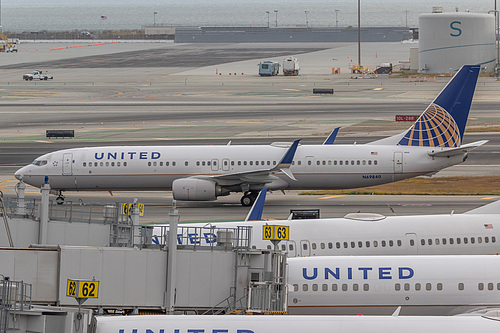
377,285
474,232
488,323
432,143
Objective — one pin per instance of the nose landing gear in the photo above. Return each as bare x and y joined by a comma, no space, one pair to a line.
60,198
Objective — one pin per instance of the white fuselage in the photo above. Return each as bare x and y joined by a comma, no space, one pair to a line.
377,285
155,168
393,235
294,324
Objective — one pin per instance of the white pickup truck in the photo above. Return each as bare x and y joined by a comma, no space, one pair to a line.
36,75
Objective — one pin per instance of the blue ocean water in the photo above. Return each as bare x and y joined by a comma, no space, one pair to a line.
41,15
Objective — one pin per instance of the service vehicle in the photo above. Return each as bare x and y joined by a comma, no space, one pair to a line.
269,68
291,66
37,75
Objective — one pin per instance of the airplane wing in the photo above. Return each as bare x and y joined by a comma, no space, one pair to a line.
484,311
463,149
260,176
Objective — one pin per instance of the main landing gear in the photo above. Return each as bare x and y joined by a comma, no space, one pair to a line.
248,199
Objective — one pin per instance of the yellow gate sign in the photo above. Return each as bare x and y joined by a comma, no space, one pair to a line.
82,289
71,288
126,208
275,232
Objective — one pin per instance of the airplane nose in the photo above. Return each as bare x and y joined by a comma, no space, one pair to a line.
20,173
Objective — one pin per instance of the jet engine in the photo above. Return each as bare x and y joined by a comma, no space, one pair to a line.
195,189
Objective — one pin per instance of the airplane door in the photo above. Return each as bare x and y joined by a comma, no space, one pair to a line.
225,164
215,164
67,164
305,248
411,243
398,162
309,163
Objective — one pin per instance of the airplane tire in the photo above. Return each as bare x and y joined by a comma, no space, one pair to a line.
60,200
247,200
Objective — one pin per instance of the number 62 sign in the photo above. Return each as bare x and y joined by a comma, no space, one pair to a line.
82,289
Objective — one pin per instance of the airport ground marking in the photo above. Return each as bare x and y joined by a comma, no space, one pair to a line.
4,181
332,197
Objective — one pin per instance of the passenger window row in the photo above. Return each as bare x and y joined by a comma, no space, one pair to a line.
391,243
397,287
339,162
161,163
103,164
263,163
458,240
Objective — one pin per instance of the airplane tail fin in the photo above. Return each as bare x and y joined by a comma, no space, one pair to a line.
443,122
255,213
491,208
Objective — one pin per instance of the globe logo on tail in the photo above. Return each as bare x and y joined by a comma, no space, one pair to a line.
434,128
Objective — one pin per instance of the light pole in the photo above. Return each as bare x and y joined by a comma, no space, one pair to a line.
276,11
154,18
497,65
359,34
337,18
406,15
267,18
307,22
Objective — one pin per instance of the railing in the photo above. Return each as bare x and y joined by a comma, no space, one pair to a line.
195,237
267,297
70,211
228,306
15,296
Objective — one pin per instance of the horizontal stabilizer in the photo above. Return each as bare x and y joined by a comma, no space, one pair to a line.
491,208
463,149
289,173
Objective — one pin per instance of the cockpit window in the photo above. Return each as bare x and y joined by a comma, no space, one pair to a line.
39,162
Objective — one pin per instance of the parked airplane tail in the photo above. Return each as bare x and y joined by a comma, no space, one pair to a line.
443,122
491,208
255,214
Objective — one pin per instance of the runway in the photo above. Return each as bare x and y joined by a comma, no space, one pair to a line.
176,94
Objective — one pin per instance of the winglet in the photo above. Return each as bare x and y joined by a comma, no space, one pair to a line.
255,213
287,160
331,137
397,311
